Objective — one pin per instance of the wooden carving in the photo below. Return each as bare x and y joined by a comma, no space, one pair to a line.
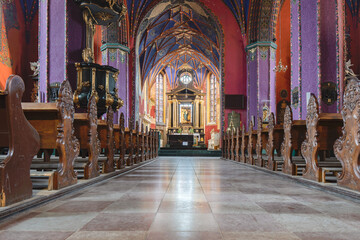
237,146
228,145
23,143
232,147
136,143
157,143
309,148
67,144
147,142
150,143
270,144
91,169
259,159
109,164
286,147
250,158
142,152
347,147
121,160
223,146
129,145
242,156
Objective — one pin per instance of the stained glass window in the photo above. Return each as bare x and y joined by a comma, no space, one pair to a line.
159,98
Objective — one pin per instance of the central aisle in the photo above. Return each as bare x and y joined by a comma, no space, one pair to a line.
191,198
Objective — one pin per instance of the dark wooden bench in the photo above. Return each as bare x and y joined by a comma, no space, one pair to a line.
85,125
107,140
294,135
243,145
22,142
347,147
129,146
322,130
261,142
274,140
54,123
232,146
120,145
251,144
237,145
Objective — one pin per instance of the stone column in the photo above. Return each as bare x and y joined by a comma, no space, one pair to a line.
261,78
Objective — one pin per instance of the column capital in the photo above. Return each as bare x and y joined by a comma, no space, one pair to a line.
261,44
115,46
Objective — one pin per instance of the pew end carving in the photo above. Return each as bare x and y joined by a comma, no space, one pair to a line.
347,147
108,165
286,147
23,143
259,159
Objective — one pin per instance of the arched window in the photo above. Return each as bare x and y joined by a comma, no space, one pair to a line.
159,98
213,91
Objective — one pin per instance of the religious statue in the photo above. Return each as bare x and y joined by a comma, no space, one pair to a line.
214,142
349,73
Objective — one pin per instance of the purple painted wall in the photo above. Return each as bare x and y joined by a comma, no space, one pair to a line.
328,48
295,55
263,80
310,59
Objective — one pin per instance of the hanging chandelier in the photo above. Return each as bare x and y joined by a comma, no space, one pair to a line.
280,68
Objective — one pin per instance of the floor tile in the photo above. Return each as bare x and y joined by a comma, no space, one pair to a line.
31,235
184,236
108,235
120,222
184,207
184,222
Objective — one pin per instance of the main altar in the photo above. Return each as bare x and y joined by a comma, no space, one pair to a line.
186,115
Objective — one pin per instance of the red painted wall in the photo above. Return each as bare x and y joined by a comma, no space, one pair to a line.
235,55
283,78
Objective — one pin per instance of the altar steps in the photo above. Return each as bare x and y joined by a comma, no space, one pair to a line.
189,152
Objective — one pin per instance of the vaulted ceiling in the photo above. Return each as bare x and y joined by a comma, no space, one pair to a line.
178,29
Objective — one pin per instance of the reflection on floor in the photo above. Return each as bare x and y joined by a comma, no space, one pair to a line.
191,198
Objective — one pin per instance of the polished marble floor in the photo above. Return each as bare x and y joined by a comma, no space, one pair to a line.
191,198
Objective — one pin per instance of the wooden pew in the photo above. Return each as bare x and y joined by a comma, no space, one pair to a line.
157,142
223,146
135,139
22,141
142,144
237,145
294,135
129,144
86,131
251,144
229,145
146,144
243,145
107,140
54,123
232,146
321,132
275,138
120,145
261,140
347,147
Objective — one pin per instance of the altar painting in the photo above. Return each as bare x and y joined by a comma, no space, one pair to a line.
185,114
